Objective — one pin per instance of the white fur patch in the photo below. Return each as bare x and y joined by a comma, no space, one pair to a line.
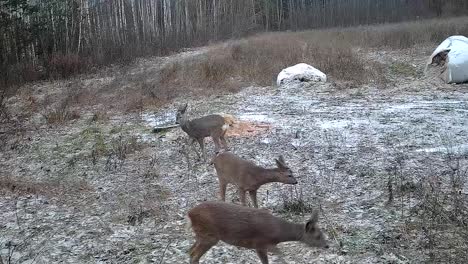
225,127
188,225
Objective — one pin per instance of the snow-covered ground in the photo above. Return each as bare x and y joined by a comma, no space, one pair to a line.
339,143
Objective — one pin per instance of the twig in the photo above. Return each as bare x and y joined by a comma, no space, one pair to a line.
164,252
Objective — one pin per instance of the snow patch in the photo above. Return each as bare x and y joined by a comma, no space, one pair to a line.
158,119
260,118
462,148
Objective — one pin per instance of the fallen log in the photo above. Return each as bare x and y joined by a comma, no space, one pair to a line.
164,128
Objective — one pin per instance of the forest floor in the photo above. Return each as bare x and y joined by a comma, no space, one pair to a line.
102,188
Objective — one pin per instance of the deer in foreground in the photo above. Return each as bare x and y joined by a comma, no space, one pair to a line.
247,176
249,228
214,126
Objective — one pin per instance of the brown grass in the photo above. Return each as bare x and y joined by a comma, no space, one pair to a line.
258,59
60,114
51,188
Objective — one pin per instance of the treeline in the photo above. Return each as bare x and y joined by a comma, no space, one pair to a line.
56,38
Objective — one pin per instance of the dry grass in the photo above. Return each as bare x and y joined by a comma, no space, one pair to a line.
60,114
406,35
51,188
258,59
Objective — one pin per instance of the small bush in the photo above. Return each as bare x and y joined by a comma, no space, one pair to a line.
63,66
61,114
298,206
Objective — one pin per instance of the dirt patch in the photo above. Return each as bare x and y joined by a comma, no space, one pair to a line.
247,129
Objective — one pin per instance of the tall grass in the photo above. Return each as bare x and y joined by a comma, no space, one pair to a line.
258,59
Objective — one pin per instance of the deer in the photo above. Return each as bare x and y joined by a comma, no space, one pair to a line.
214,126
247,176
247,227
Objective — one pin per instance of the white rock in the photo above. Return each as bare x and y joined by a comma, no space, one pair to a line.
300,72
456,70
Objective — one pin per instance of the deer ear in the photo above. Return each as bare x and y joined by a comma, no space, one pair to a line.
281,159
183,108
310,225
280,162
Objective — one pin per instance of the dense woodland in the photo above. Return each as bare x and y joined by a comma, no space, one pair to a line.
42,39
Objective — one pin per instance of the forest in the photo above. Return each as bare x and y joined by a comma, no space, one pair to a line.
46,39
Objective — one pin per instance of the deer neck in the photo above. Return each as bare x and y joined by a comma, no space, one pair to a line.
185,123
267,176
290,232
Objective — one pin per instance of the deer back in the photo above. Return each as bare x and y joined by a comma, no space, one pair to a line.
249,176
232,169
249,227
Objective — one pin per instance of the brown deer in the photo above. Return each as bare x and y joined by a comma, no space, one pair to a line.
247,227
247,176
214,126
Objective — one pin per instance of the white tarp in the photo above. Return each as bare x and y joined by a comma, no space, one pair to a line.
454,54
300,72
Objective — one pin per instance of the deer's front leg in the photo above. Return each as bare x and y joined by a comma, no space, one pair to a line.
242,197
253,197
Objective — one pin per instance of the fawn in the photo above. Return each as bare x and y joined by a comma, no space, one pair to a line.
214,126
247,227
247,176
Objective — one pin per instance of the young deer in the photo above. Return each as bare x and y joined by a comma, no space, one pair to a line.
247,176
214,126
247,227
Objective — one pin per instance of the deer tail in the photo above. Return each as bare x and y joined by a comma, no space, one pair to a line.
229,120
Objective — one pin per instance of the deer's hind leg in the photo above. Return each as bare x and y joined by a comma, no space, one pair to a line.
222,190
201,142
201,246
192,142
263,255
216,139
224,143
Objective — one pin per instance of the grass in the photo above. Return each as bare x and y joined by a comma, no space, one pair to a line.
50,188
404,69
337,52
226,67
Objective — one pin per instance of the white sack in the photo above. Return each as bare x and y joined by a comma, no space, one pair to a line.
457,59
300,72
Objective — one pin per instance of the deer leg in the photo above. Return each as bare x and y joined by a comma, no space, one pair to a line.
223,141
201,141
253,197
263,255
216,143
242,197
194,148
222,190
200,248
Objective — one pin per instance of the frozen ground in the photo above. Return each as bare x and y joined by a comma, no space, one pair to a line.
341,144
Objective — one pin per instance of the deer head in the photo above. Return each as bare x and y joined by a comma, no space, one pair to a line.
284,172
181,114
313,236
